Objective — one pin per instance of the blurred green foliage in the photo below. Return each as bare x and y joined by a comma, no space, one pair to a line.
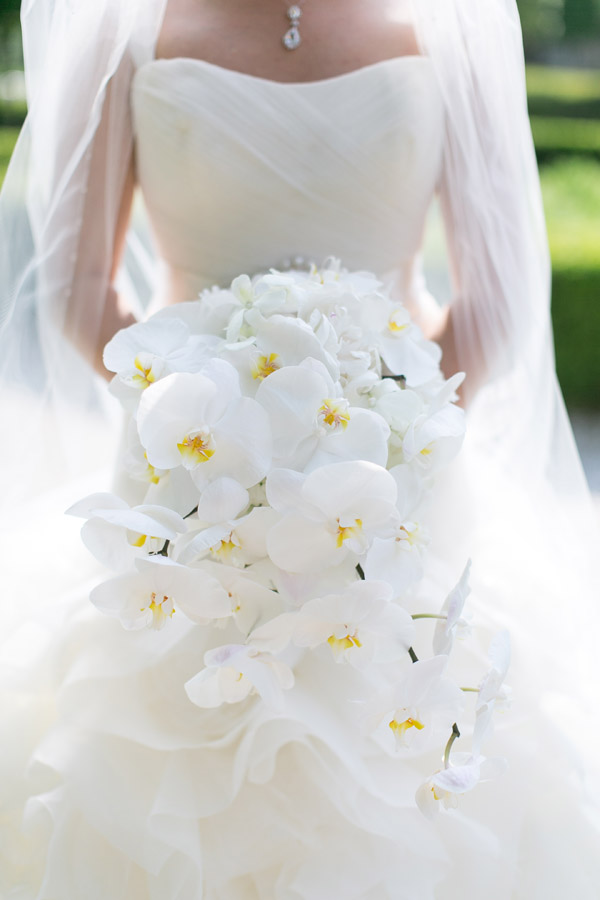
559,137
545,21
576,320
12,113
572,93
8,139
571,189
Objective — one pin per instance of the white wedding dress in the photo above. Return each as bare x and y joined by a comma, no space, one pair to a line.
129,792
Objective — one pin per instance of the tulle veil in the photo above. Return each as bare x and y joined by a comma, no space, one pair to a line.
518,498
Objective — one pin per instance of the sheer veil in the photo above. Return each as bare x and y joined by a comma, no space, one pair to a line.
529,523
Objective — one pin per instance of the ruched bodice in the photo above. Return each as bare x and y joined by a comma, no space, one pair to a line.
240,173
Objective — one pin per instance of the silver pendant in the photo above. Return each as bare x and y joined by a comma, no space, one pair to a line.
291,38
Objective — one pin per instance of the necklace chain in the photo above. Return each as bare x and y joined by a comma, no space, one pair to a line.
291,38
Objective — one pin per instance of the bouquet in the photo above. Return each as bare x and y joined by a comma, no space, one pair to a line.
285,434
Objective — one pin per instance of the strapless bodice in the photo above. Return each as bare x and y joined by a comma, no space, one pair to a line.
240,173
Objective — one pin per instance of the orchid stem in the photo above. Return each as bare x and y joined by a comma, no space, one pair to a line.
191,512
413,655
429,616
359,569
470,690
455,734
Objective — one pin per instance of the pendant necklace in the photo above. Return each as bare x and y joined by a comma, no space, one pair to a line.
291,38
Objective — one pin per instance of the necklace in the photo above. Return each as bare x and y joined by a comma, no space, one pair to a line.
291,38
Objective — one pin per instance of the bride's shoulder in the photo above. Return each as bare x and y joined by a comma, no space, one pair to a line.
182,27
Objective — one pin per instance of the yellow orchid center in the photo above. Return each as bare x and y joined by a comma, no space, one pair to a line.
225,549
196,448
334,413
426,451
138,540
144,366
398,321
408,535
150,474
339,645
265,366
345,532
162,609
400,728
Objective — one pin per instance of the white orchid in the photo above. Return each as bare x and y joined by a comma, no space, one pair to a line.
251,602
492,690
455,624
405,351
312,424
463,773
445,786
237,542
420,707
234,671
284,435
434,438
160,587
271,344
148,351
360,625
335,510
426,433
116,533
201,422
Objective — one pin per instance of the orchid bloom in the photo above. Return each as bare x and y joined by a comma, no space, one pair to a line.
492,690
234,671
462,774
160,587
420,706
273,343
116,533
313,425
335,510
201,422
360,625
455,624
146,352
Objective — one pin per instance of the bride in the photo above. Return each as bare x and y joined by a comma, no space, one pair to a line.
250,151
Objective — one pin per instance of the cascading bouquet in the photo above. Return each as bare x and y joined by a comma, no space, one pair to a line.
284,433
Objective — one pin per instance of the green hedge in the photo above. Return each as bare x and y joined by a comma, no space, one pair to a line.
8,137
12,113
571,189
576,318
556,138
566,93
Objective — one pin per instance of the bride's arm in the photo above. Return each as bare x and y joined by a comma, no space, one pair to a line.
497,324
95,310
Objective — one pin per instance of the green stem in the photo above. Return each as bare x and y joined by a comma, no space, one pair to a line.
455,734
470,690
413,655
359,569
429,616
191,513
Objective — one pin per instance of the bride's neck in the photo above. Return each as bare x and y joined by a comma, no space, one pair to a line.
337,36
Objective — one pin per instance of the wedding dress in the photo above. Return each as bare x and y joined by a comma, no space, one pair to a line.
128,790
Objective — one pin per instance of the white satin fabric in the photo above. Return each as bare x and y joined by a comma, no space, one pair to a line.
129,791
240,173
